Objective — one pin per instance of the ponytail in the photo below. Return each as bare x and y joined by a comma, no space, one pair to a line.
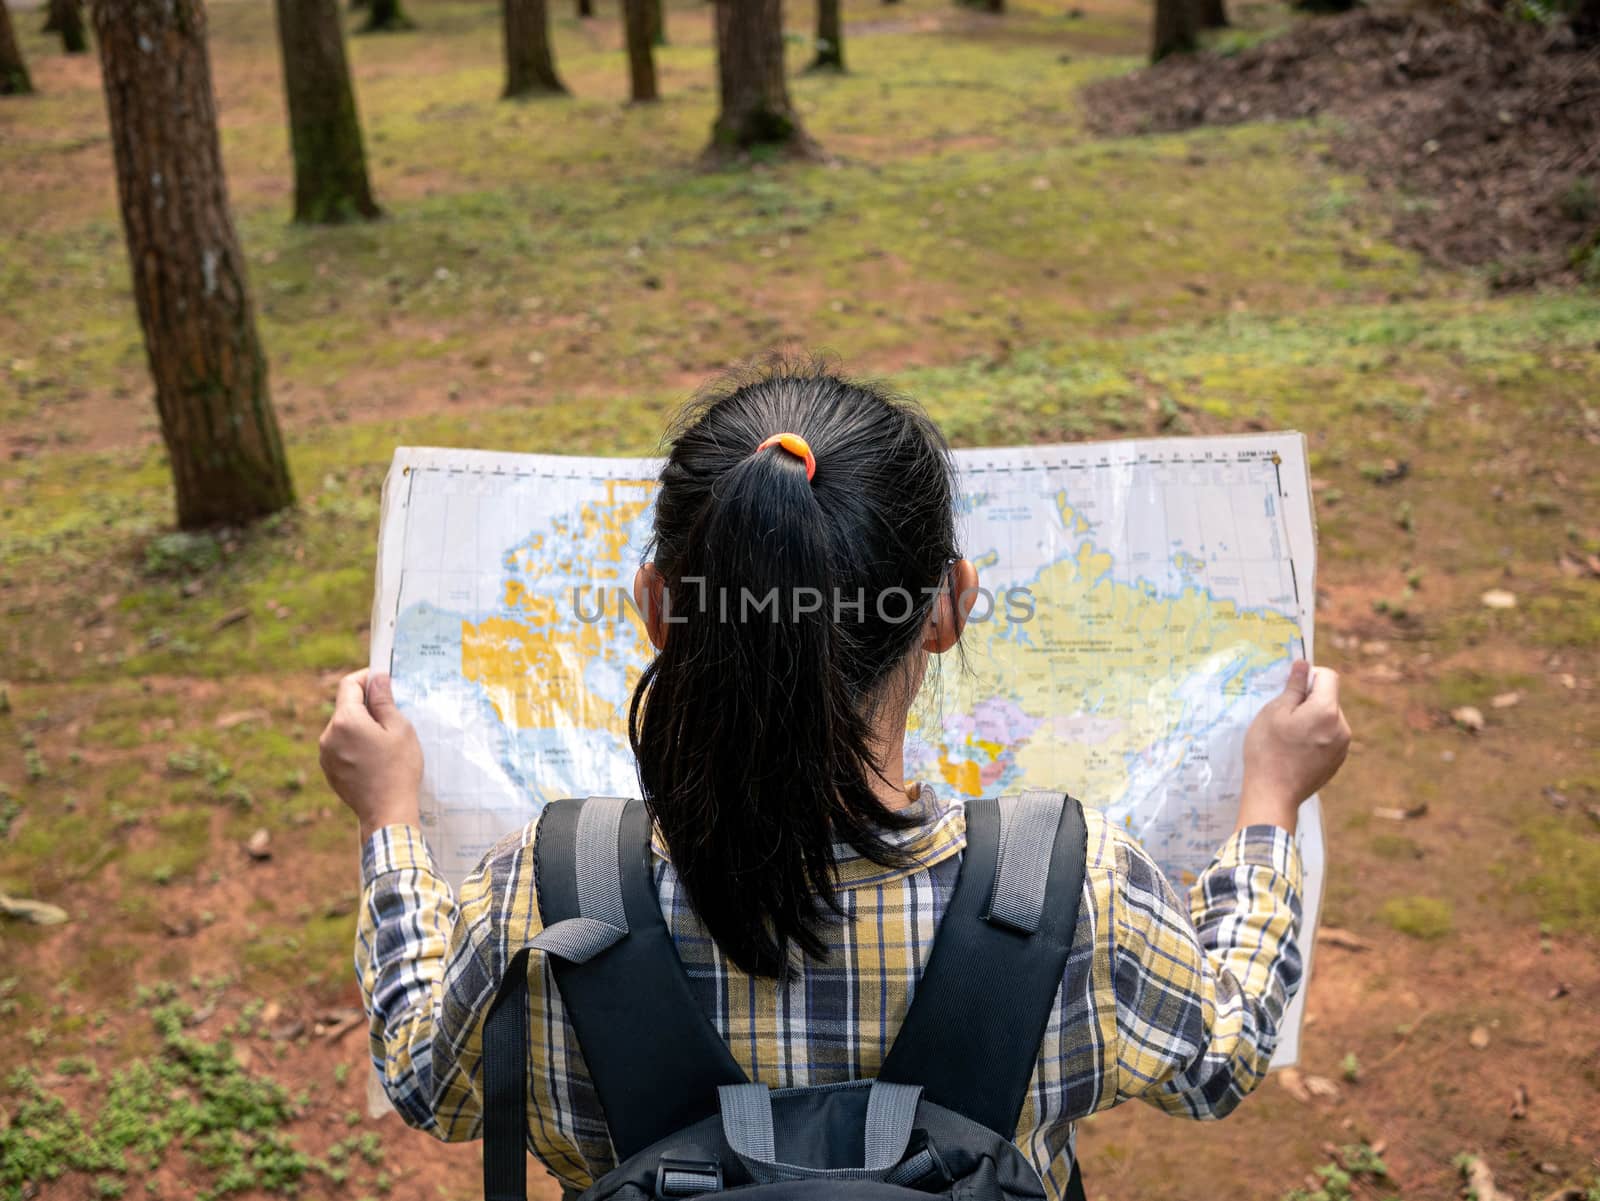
753,726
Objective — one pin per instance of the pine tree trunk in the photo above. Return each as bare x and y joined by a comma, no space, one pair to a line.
641,57
830,37
530,68
755,95
14,79
67,18
658,21
1176,28
330,166
1212,14
585,8
386,16
189,280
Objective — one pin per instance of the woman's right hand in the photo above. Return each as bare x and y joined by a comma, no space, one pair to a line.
1294,747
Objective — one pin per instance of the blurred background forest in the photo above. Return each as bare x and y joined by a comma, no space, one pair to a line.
247,248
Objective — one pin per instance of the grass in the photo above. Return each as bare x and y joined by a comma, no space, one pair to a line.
1426,918
557,276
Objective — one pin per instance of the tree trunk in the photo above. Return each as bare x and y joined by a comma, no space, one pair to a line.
641,57
14,79
530,69
988,6
1212,14
755,96
189,280
585,8
830,37
1176,28
385,16
66,17
330,167
658,21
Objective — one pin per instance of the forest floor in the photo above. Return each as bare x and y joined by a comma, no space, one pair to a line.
556,276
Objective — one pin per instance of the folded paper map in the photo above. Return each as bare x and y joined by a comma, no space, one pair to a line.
1141,601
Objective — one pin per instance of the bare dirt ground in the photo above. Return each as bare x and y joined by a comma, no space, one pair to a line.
1486,128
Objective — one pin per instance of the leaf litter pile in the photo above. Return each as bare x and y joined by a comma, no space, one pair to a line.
1484,128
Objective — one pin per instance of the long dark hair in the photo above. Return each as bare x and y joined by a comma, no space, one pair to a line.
753,725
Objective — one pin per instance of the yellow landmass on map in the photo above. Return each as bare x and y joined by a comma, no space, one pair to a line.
531,663
1102,662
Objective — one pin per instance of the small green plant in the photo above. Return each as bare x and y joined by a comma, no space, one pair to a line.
1338,1178
1350,1067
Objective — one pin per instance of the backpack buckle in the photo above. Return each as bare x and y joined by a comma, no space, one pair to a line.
687,1177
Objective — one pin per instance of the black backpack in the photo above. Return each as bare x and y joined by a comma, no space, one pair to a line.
683,1119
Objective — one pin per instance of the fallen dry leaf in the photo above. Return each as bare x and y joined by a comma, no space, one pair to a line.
1506,700
1321,1086
1559,991
1468,717
1519,1103
1401,815
1480,1181
1567,680
40,913
239,717
1295,1083
1499,598
1479,1038
1336,937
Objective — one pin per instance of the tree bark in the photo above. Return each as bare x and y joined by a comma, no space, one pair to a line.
14,79
658,22
585,8
755,95
830,37
1176,28
530,68
66,18
386,16
330,166
641,56
1212,14
188,272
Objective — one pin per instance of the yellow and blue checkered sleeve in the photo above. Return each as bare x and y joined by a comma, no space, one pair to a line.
428,967
1202,988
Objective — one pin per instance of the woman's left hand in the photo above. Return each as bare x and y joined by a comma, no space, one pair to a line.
371,755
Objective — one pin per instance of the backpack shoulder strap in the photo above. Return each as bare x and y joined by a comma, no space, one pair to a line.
972,1035
656,1064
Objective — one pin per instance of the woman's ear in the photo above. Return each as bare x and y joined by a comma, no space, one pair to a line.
949,616
650,598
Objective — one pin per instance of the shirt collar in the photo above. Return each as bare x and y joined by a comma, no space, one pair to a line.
940,832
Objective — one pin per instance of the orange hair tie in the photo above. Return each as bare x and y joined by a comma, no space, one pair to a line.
795,445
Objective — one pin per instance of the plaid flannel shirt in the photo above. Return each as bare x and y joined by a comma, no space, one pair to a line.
1179,1006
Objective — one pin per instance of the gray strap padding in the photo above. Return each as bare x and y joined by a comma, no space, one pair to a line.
891,1113
1027,838
601,920
747,1121
578,939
